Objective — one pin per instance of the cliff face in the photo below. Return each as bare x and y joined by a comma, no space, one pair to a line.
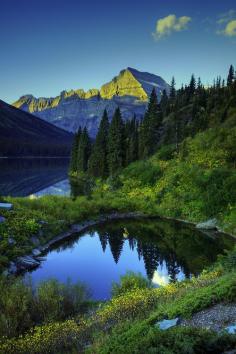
71,109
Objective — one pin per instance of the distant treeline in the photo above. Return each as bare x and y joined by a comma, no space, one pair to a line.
182,113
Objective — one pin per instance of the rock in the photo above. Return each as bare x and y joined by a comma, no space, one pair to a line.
166,324
6,206
2,219
207,225
34,239
12,268
36,252
27,262
42,222
231,329
11,241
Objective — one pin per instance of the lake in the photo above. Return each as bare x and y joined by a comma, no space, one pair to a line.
162,251
27,176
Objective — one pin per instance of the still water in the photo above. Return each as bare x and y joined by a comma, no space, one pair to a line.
162,251
24,177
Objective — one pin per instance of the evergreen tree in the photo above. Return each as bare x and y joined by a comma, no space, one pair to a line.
192,86
131,134
164,102
74,151
230,78
116,143
172,89
84,151
149,128
103,237
116,241
98,164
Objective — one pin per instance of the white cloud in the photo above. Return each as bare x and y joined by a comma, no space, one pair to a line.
169,24
226,17
227,24
230,29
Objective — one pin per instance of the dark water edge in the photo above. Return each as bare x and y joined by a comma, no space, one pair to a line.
25,176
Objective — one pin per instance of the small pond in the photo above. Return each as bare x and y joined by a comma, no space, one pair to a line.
161,250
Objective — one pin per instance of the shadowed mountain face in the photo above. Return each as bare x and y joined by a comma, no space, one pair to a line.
23,134
129,91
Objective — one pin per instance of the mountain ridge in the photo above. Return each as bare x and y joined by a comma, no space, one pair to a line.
22,133
129,90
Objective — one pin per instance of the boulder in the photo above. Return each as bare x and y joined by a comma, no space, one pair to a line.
34,239
12,268
36,252
27,262
2,219
231,329
11,240
207,225
42,222
166,324
6,206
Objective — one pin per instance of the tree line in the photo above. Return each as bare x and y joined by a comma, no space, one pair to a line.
179,114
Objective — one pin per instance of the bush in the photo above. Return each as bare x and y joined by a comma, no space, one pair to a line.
23,307
128,282
57,301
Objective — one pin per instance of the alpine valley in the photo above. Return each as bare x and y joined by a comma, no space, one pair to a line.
129,91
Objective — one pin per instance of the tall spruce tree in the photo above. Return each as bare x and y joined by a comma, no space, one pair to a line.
164,102
98,164
230,77
116,143
149,127
172,89
192,86
84,151
74,151
131,134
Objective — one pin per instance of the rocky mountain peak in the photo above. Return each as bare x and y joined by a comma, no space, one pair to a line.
129,90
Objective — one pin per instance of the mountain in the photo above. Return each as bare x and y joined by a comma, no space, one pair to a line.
129,90
21,133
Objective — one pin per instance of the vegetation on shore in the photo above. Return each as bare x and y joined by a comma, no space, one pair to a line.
126,323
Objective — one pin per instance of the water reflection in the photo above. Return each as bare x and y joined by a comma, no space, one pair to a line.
23,177
162,251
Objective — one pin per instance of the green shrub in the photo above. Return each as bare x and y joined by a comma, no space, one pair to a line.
142,338
128,282
22,306
57,301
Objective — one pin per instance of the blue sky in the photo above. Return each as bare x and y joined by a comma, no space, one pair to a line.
49,46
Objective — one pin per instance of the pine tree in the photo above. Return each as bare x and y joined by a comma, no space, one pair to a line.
84,151
192,86
74,151
131,134
149,127
116,143
172,89
98,164
164,102
230,78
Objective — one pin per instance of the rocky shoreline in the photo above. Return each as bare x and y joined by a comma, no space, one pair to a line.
33,260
